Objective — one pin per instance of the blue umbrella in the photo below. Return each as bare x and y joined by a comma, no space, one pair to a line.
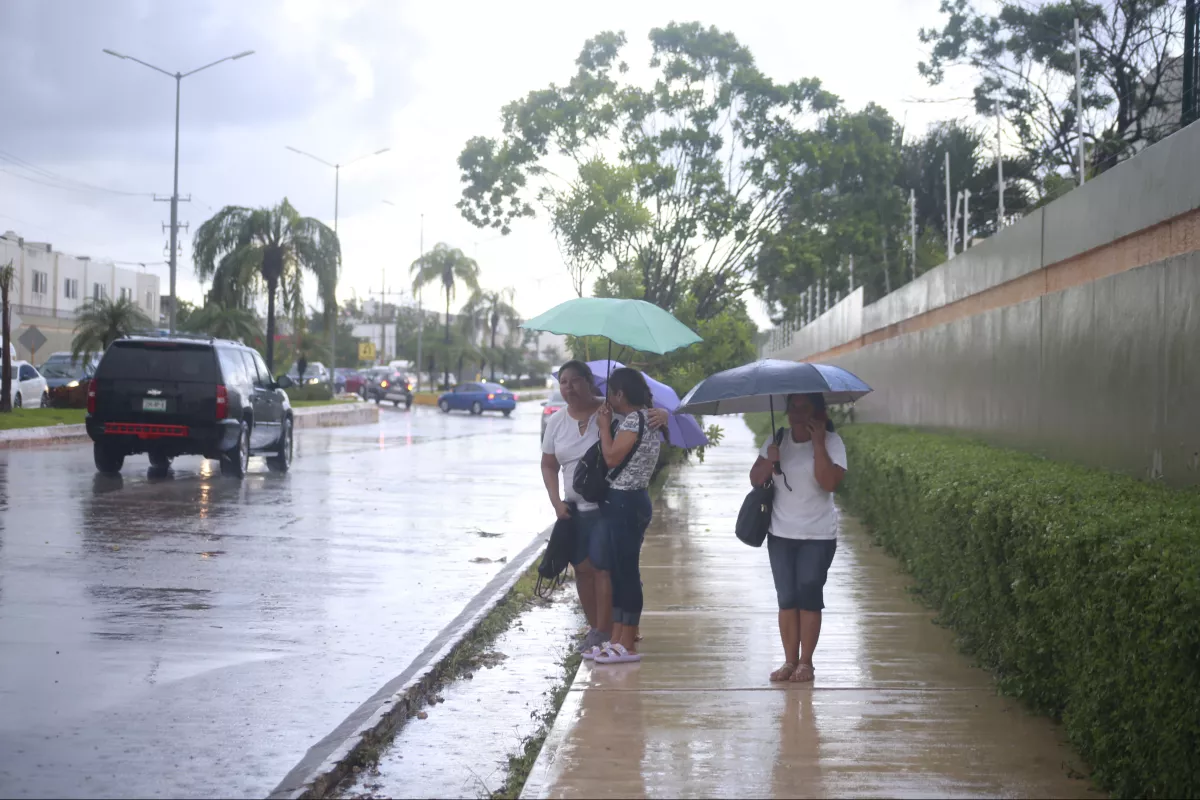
765,386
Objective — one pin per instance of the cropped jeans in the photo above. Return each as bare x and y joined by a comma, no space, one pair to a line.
627,515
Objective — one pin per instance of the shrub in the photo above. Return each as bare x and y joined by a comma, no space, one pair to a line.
309,393
1080,589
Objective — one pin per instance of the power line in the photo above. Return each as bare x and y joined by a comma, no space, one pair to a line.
46,177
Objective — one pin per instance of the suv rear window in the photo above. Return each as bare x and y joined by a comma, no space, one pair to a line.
168,361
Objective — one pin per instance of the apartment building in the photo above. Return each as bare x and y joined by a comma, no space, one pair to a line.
49,287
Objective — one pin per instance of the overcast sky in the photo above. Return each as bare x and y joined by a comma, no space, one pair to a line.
341,79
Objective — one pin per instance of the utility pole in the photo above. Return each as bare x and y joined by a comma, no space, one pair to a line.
1079,104
966,219
999,172
912,229
949,214
420,314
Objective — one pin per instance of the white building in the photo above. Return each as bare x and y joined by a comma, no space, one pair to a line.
49,287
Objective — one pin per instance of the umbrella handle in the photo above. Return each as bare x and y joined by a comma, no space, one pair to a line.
771,400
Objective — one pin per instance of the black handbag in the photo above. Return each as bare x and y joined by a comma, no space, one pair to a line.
754,518
592,474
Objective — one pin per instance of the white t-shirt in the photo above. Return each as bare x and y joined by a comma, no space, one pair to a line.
564,441
807,511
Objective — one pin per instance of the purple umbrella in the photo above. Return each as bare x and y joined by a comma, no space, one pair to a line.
685,431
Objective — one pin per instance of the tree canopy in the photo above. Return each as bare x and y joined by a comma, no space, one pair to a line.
1024,58
676,181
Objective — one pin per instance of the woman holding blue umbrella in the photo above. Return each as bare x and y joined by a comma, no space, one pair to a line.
805,461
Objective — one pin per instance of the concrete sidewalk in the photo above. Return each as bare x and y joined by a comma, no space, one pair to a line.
895,711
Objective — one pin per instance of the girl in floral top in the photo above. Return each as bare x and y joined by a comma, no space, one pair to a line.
626,507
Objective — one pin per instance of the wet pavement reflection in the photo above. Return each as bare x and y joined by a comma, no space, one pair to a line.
183,634
895,710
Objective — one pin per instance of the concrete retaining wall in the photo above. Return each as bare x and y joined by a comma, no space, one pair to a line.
1073,333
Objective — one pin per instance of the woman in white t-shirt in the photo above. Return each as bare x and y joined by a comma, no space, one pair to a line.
569,433
807,465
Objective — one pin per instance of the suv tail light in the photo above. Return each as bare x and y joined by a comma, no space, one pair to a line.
91,406
549,410
222,402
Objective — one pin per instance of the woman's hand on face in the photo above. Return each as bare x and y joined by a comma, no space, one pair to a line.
816,429
658,418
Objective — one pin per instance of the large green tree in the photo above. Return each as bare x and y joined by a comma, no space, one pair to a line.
1023,56
676,181
243,250
447,266
101,322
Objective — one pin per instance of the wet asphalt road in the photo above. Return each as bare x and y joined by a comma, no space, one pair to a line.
192,636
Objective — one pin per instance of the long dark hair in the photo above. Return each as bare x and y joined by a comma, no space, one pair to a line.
582,370
632,384
820,407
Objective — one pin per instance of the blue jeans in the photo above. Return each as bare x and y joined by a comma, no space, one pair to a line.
627,514
800,567
592,541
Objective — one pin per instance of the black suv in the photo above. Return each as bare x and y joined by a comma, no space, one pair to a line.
173,396
390,385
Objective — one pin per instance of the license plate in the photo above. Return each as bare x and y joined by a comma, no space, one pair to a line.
154,405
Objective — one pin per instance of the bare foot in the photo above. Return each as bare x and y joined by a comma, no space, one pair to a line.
803,674
783,674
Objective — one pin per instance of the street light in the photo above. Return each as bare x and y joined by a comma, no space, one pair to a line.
420,309
337,175
178,76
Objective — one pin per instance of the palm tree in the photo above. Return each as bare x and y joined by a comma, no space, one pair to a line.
449,266
103,321
490,309
242,248
226,322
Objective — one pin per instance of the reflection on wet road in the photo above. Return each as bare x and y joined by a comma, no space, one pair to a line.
190,635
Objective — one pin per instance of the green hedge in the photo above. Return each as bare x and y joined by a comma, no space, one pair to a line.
1080,589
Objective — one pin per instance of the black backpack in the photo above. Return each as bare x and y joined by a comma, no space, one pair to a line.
754,518
592,474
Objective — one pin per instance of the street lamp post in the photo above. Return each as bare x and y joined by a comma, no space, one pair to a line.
178,76
337,177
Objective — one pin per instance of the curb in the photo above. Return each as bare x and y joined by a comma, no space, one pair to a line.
42,437
313,417
538,783
331,760
334,416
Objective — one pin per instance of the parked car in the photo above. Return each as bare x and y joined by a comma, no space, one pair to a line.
478,398
29,388
549,406
179,395
67,379
392,386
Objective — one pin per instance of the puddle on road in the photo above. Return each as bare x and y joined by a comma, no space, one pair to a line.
460,748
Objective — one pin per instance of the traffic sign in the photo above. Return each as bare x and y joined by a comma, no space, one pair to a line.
366,351
32,339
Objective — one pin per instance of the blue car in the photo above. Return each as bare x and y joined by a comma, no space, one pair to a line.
478,398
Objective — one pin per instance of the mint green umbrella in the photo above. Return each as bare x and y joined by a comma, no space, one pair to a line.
632,323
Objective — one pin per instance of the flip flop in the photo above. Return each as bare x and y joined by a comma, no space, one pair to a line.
591,653
784,673
803,674
617,654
